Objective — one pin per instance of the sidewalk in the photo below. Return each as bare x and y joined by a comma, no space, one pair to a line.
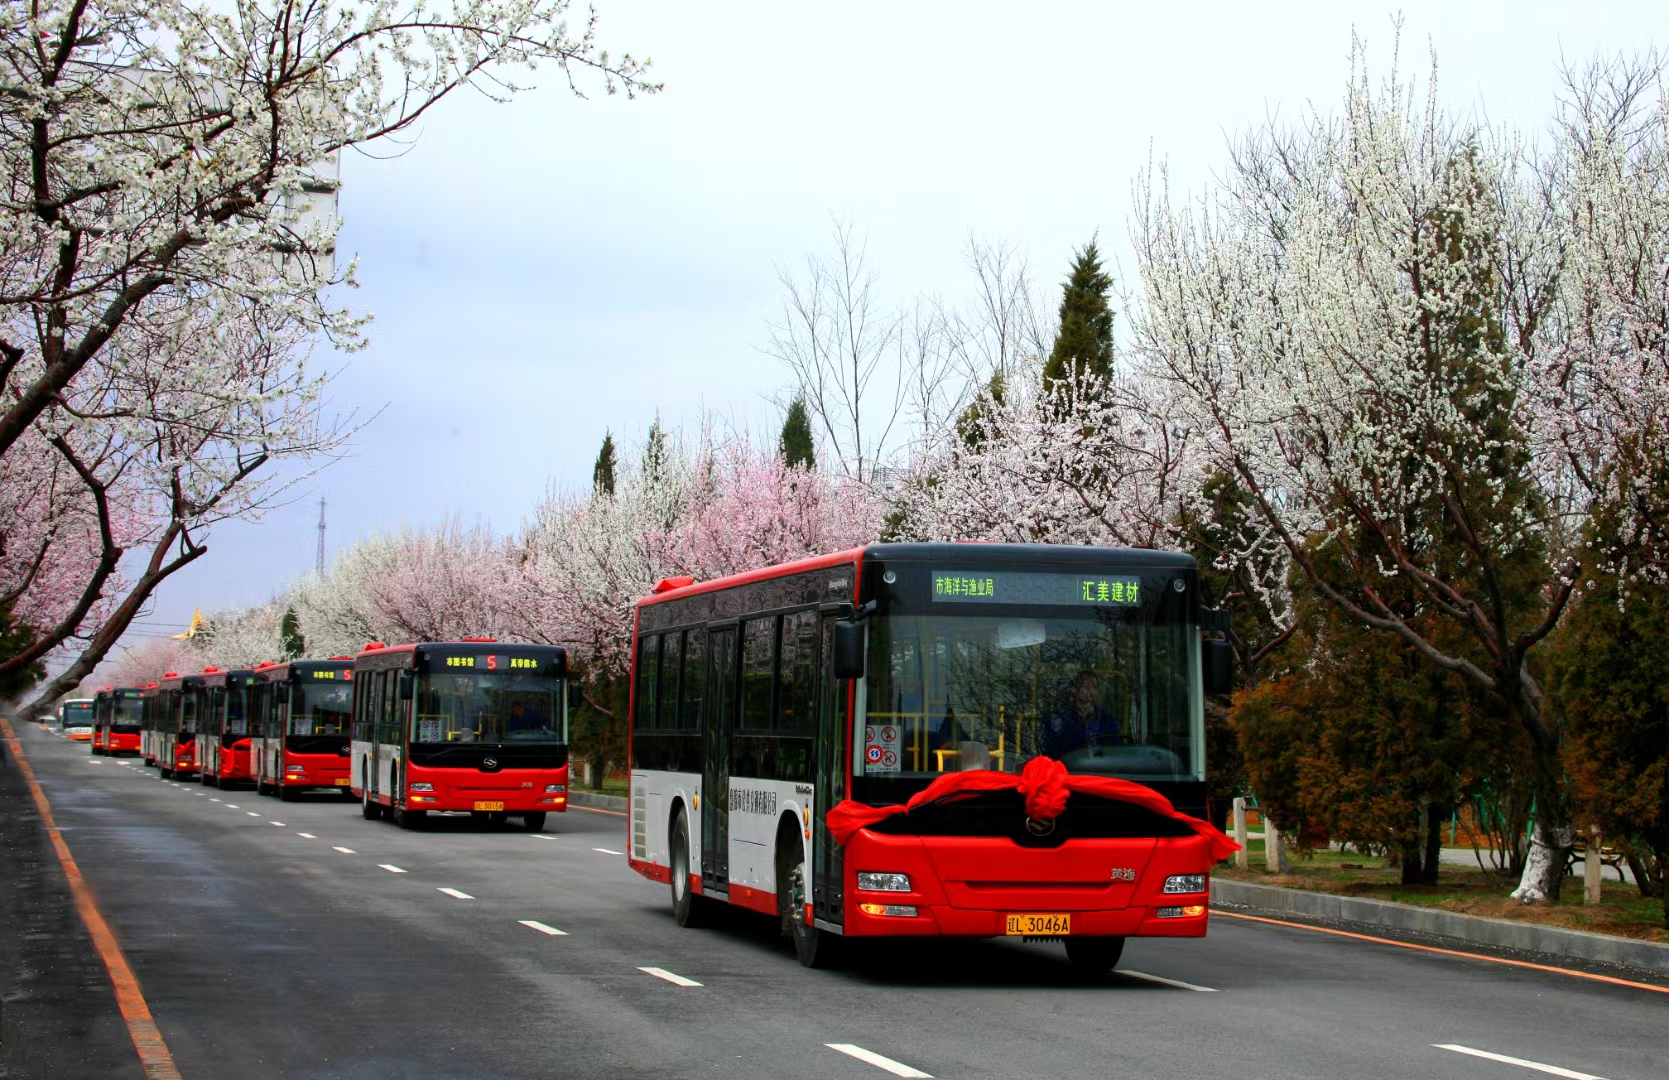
58,1015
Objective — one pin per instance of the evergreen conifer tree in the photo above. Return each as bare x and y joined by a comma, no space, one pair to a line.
289,636
1085,340
797,448
654,451
602,474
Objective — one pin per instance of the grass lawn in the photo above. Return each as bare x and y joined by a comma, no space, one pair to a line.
1465,889
610,787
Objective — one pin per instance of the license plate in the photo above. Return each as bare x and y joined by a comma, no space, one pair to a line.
489,806
341,781
1040,925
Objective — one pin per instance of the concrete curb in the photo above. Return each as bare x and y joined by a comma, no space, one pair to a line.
1476,929
616,803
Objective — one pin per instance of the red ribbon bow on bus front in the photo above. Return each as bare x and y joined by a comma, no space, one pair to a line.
1045,784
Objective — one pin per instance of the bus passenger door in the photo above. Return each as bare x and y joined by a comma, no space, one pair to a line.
715,758
826,890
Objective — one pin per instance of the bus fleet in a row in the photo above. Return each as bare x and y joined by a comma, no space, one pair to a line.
475,726
958,740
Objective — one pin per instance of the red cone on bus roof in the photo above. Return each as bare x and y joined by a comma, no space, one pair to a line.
669,583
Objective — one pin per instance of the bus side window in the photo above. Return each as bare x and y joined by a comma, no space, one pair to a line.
666,685
648,668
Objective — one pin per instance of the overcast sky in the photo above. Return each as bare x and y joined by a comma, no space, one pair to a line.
546,270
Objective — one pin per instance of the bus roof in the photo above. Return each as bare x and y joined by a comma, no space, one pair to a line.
951,554
379,656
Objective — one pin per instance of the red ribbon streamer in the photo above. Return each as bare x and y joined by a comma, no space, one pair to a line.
1045,783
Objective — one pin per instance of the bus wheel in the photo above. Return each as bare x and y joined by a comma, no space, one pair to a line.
410,819
688,909
815,948
370,811
167,774
1094,955
286,794
533,822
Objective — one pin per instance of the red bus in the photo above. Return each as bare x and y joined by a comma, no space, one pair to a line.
118,715
302,709
472,725
223,736
171,708
839,743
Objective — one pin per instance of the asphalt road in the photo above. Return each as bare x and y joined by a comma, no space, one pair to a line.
299,940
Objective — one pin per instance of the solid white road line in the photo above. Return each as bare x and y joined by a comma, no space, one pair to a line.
1552,1070
307,835
606,851
391,868
675,980
897,1068
345,850
456,894
1167,982
542,928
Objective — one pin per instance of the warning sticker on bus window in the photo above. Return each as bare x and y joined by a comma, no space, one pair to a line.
880,748
430,731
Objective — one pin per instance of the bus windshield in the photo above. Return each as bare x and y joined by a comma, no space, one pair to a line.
1100,691
235,723
78,714
489,708
130,713
188,710
321,708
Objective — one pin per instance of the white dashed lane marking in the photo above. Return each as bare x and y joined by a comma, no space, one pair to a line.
455,894
232,806
307,836
1552,1070
542,836
345,850
542,928
608,851
252,813
280,824
213,799
663,973
897,1068
1178,983
391,868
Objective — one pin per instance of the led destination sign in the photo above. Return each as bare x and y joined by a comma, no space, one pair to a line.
1017,587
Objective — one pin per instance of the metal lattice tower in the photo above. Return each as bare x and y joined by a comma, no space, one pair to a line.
319,559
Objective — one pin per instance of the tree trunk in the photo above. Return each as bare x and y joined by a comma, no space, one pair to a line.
1434,843
1552,833
1412,872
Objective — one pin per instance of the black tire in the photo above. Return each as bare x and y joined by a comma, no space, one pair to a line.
286,794
370,811
411,820
497,818
688,909
1094,955
167,774
534,822
816,948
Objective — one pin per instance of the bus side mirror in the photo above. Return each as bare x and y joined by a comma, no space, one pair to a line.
848,649
576,694
1219,666
281,693
407,686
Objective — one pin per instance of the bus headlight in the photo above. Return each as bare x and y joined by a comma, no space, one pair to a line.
1186,883
556,789
872,882
420,786
295,768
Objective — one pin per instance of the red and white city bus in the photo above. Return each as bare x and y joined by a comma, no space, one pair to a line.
171,710
302,709
473,725
118,719
931,739
223,736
